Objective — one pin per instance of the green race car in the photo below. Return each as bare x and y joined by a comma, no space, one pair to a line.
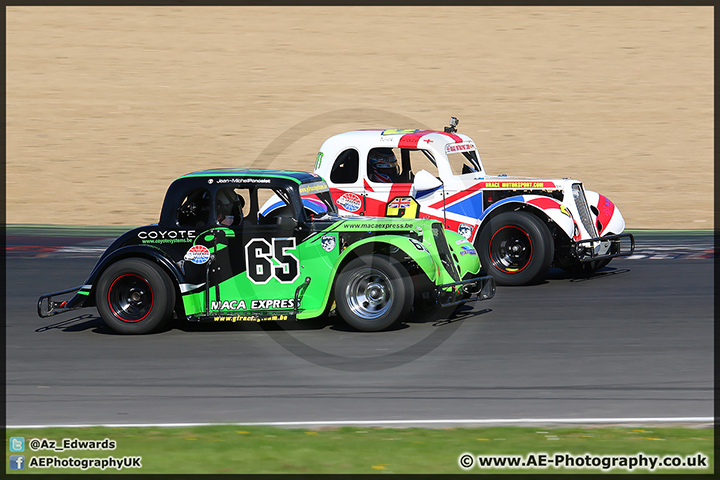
237,245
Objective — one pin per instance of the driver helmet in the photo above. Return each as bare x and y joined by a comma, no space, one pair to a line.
383,165
229,208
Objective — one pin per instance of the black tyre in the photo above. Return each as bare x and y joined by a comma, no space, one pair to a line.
373,293
135,296
516,248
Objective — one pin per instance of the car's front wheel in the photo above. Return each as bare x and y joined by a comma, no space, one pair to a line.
373,293
135,296
516,248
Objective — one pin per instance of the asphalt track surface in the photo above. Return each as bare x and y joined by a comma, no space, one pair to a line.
634,340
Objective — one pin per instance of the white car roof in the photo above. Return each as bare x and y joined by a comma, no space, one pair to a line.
392,138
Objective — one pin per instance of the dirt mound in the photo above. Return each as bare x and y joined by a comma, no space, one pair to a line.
107,105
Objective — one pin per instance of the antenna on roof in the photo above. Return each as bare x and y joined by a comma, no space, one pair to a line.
453,123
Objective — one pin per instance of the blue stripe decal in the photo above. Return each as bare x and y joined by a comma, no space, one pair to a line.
470,206
518,198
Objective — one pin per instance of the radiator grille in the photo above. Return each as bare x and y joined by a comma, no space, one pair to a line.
444,251
582,206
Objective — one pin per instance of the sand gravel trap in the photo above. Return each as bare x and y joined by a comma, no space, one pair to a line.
107,105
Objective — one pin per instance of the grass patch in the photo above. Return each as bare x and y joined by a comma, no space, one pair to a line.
257,450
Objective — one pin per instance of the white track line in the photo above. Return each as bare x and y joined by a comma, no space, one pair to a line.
320,423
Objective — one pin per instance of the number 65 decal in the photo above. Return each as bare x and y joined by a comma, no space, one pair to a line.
259,256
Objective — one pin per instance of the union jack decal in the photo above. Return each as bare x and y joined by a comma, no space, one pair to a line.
399,203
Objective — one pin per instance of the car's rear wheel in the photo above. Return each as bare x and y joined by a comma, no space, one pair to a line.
135,296
373,293
516,248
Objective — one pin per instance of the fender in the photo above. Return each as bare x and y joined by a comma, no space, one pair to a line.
146,251
550,208
608,218
464,252
427,263
423,258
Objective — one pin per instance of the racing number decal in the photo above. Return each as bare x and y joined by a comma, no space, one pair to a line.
258,260
288,270
259,256
402,207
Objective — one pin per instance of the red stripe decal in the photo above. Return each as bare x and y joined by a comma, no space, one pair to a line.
410,140
605,211
453,136
368,188
544,203
399,190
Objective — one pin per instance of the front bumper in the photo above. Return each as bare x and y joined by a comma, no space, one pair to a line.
586,250
480,288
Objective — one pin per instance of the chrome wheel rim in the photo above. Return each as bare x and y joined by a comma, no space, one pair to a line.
369,293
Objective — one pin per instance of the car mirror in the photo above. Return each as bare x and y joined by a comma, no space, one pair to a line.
425,181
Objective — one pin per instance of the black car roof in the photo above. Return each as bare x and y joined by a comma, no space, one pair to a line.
298,177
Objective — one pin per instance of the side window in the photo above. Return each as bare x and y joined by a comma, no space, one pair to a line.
383,166
230,206
194,210
415,160
273,203
393,165
345,168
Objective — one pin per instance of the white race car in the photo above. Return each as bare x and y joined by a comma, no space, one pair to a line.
520,226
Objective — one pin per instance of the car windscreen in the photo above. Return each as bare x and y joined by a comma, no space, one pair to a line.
462,162
317,199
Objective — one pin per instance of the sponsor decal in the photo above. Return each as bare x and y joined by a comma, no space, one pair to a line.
461,241
328,242
166,236
270,304
459,147
319,160
468,250
349,202
565,210
465,230
516,185
369,226
315,187
228,305
249,318
402,207
210,181
243,180
418,245
197,254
